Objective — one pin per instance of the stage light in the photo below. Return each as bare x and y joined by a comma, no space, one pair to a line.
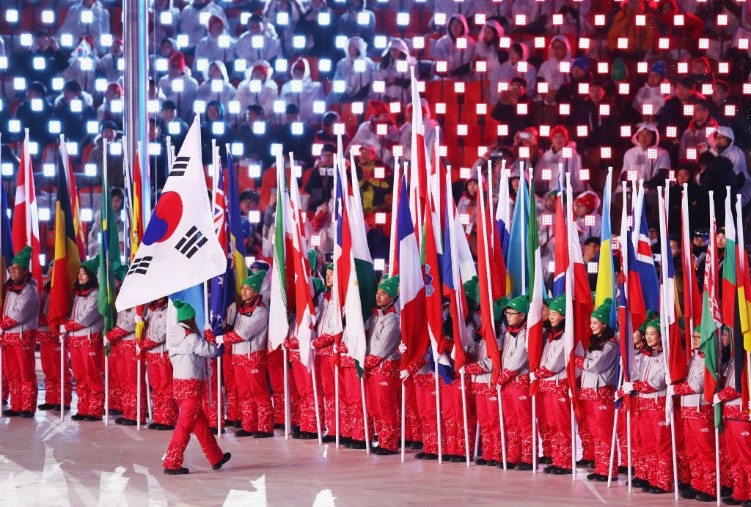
688,110
722,20
178,86
89,170
542,87
44,214
440,108
671,131
547,220
663,43
11,16
443,152
545,130
324,19
106,40
418,42
395,107
583,174
706,89
397,150
504,43
691,153
522,108
464,218
87,17
379,264
524,152
154,149
162,65
66,40
441,66
603,67
379,172
604,109
92,127
622,43
481,151
152,106
358,108
402,19
557,19
723,67
254,171
625,130
481,109
564,109
297,171
624,88
582,131
3,62
116,148
743,43
217,128
520,20
606,152
539,42
679,20
547,174
599,20
339,129
647,109
583,88
480,18
363,18
402,66
280,106
202,64
324,65
19,83
703,43
165,18
592,268
380,218
503,86
360,65
203,18
439,18
281,65
746,88
87,215
48,170
117,106
7,170
564,67
461,43
297,128
224,41
234,107
381,129
729,110
255,86
14,126
340,41
465,173
298,42
502,130
199,107
182,41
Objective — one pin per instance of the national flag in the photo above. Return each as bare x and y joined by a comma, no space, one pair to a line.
605,288
25,213
742,339
235,241
418,178
729,290
516,258
487,328
711,318
534,317
502,232
281,299
6,240
75,198
179,248
67,261
560,255
645,264
136,208
691,296
223,291
412,304
109,255
625,315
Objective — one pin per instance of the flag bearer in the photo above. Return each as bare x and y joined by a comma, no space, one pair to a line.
188,351
84,336
19,325
154,344
324,347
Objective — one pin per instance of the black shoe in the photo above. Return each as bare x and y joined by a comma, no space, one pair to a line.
481,461
92,418
122,421
429,456
493,463
78,417
747,503
179,471
549,469
380,451
357,444
585,463
657,491
638,483
726,491
524,466
509,465
458,459
216,432
152,426
306,435
328,439
27,414
561,471
689,493
228,423
278,426
414,445
544,460
243,433
731,501
262,434
115,412
599,478
46,406
11,413
225,459
682,486
420,455
239,425
57,408
168,427
705,497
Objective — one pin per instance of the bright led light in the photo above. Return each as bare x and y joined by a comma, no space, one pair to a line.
155,149
259,128
203,18
729,110
564,109
603,67
439,18
599,20
380,41
679,20
625,130
72,148
363,18
66,40
178,86
89,170
280,65
547,174
688,110
605,109
520,19
202,65
11,16
254,171
583,88
606,152
217,128
557,19
54,127
7,170
19,83
298,41
622,43
624,88
671,131
240,66
379,264
663,43
217,85
647,109
116,106
199,107
691,153
282,18
106,39
360,65
165,18
440,108
116,148
582,131
324,19
87,215
76,105
280,106
182,41
152,106
87,17
48,170
3,62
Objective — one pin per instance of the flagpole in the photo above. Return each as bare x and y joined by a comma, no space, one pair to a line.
569,276
503,429
438,412
62,376
287,414
717,464
743,257
628,443
624,269
524,235
534,396
464,415
315,398
394,204
612,450
138,389
336,404
219,371
365,414
404,417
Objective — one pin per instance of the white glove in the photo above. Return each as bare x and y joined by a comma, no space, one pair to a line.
532,376
62,328
403,375
106,340
617,396
138,319
716,399
402,348
627,387
206,328
671,390
219,339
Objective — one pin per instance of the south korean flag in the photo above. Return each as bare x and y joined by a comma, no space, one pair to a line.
179,248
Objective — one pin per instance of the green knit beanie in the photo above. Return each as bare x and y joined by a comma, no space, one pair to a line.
185,310
255,280
559,305
520,304
390,285
23,258
602,312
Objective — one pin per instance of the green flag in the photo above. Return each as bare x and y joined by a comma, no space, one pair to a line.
109,259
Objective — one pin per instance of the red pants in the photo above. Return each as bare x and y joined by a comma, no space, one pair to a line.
256,411
304,386
699,445
20,376
654,462
325,370
86,359
412,426
543,428
599,414
229,398
276,378
557,407
160,380
453,428
124,376
738,434
426,409
384,393
350,404
517,415
486,403
192,419
49,352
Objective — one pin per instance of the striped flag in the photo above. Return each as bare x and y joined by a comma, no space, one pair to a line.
534,318
691,295
605,288
625,319
280,302
645,263
560,255
223,292
516,259
742,339
25,213
75,199
6,251
109,255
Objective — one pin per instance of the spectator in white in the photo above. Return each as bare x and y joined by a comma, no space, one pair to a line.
456,48
284,14
488,50
358,21
562,155
518,66
165,17
112,106
559,51
87,18
111,65
466,8
82,65
356,71
393,70
178,72
405,131
575,17
303,91
646,159
216,85
210,48
258,43
466,210
367,132
194,20
701,125
588,220
258,88
722,141
651,92
167,48
536,13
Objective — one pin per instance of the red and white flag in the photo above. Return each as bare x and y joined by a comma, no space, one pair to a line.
25,228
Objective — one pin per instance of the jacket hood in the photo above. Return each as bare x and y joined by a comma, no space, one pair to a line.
463,21
222,68
262,64
496,27
306,64
359,43
646,126
397,43
522,48
564,40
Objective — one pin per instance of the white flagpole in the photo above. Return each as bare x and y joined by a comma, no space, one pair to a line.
287,414
62,376
628,443
365,415
315,398
534,396
149,404
612,450
503,428
138,391
336,404
573,438
464,415
394,210
404,417
438,412
717,464
106,356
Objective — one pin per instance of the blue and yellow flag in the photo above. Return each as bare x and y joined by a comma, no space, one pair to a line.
605,288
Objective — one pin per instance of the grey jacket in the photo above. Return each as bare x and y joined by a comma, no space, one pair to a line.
85,313
187,352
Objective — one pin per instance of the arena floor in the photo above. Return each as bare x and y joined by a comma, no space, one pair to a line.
46,462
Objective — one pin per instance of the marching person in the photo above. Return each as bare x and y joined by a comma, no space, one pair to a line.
653,454
324,350
698,426
187,352
249,340
123,382
49,353
159,366
514,379
19,325
84,335
598,387
554,389
382,367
